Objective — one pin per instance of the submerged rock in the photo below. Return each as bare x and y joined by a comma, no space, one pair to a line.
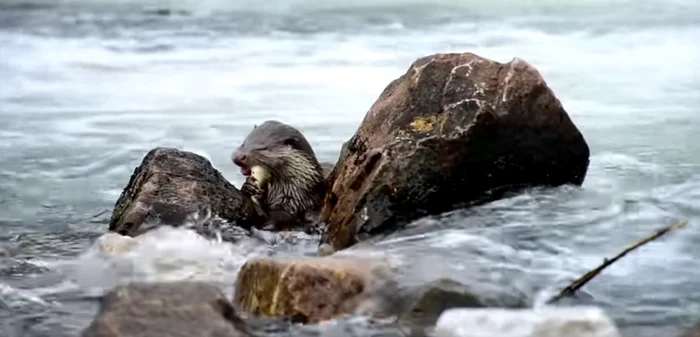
307,290
180,188
545,322
168,310
455,129
422,305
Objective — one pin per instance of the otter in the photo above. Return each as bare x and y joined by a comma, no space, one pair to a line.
283,175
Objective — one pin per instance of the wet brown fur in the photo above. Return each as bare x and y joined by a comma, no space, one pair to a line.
297,180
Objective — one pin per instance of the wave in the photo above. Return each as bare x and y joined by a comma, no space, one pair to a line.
473,7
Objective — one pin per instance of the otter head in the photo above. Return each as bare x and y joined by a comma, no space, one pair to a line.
279,148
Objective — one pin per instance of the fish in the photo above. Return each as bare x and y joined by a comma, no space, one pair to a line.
261,176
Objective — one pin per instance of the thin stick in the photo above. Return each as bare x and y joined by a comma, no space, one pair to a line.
580,282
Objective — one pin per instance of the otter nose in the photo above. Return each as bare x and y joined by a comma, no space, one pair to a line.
239,158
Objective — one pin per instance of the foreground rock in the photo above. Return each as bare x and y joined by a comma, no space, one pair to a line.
550,322
319,289
455,129
177,188
308,290
166,309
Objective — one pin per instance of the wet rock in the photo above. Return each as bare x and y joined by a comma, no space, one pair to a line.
455,129
180,188
545,322
166,309
423,305
308,290
4,252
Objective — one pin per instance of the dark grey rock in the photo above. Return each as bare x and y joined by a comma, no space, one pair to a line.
180,188
423,305
170,309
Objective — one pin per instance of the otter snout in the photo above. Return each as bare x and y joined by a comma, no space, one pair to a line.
240,160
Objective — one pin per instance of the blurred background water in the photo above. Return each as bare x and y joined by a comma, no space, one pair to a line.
88,87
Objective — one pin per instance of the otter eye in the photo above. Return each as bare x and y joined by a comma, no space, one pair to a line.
291,142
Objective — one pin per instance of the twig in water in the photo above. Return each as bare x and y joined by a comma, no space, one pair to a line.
580,282
100,213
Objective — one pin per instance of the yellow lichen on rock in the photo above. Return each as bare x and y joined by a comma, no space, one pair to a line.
306,290
429,124
422,125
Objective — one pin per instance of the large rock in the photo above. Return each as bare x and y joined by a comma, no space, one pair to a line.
177,188
308,290
545,322
166,309
455,129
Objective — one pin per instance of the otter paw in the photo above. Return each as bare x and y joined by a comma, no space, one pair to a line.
252,190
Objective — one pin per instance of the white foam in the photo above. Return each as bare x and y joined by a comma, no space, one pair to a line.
16,297
163,254
545,322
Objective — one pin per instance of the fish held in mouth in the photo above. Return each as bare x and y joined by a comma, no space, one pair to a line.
260,174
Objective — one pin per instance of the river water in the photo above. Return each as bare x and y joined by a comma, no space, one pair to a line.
88,87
